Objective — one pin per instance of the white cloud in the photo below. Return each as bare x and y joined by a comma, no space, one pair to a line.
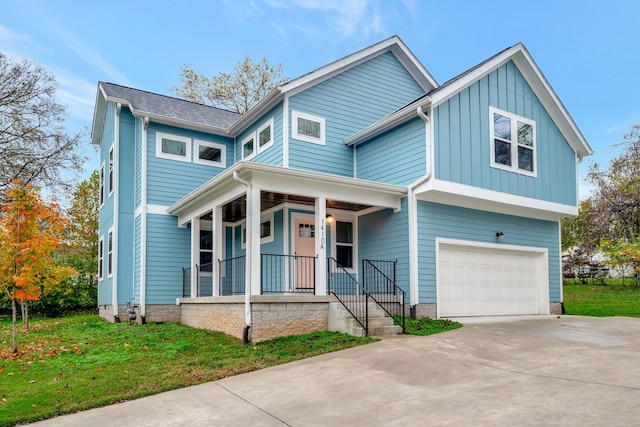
349,15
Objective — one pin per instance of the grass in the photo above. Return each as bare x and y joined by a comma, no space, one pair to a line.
598,299
428,326
70,364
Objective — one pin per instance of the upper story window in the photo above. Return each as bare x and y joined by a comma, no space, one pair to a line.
173,147
101,184
265,136
513,142
248,147
307,127
110,253
210,153
111,171
101,258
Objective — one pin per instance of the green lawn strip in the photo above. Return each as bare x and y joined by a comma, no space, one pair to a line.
82,362
602,300
428,326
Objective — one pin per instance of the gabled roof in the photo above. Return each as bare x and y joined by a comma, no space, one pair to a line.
163,109
527,67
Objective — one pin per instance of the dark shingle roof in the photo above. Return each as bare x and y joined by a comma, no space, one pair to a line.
155,104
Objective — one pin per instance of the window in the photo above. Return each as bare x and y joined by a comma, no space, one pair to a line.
102,185
101,258
111,171
265,136
248,148
173,147
206,247
307,127
344,243
210,153
266,230
110,254
513,142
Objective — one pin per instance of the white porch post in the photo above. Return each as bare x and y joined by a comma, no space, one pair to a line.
253,237
195,254
321,246
218,248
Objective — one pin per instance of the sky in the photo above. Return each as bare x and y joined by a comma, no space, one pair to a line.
588,50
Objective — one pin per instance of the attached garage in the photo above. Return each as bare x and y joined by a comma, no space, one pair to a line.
484,279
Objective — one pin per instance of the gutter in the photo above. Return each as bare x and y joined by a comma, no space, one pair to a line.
413,213
247,283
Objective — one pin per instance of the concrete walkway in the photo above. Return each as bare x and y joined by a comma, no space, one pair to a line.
545,371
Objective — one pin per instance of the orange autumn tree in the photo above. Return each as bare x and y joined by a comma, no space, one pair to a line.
31,231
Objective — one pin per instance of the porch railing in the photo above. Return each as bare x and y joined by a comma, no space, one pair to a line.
287,274
204,286
379,279
186,282
232,275
351,294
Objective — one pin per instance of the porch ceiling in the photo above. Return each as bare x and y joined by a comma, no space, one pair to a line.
236,209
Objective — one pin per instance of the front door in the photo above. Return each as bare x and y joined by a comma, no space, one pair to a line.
305,248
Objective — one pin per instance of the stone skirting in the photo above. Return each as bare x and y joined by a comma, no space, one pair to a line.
271,316
154,313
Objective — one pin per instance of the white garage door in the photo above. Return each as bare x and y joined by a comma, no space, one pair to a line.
489,281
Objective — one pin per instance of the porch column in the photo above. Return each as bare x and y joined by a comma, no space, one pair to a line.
253,240
195,254
321,246
218,248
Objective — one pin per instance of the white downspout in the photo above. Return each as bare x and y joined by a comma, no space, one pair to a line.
143,224
247,286
413,213
116,214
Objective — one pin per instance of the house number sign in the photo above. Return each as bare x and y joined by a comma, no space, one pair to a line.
322,235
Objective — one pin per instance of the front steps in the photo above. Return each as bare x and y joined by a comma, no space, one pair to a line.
340,320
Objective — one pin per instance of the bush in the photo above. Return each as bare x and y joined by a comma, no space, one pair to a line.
73,296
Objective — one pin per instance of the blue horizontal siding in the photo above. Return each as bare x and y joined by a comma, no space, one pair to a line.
168,251
349,102
138,163
462,140
437,220
170,180
273,154
395,157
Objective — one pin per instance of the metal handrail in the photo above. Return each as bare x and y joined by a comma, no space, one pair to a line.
382,300
351,294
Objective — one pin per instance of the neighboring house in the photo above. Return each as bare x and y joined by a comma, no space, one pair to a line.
365,166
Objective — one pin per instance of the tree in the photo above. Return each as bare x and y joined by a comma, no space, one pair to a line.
81,244
237,91
31,231
34,146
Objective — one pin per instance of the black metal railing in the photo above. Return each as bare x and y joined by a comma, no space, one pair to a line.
232,275
349,292
186,282
287,274
379,280
204,285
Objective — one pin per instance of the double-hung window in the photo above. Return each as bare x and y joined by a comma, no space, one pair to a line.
307,127
513,142
101,258
110,254
173,147
101,184
344,243
266,230
111,166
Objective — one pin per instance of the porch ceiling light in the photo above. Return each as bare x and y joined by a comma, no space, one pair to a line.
329,218
500,235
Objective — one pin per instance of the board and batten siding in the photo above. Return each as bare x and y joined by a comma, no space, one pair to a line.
170,180
349,102
395,157
273,154
462,140
168,252
452,222
384,235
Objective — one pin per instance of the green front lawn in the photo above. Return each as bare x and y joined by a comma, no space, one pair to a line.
601,300
74,363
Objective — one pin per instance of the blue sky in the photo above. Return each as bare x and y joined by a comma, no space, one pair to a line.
588,50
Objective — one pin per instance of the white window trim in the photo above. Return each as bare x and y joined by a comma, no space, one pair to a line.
294,126
514,143
102,194
161,155
334,252
263,218
112,170
110,270
101,258
252,135
265,125
196,153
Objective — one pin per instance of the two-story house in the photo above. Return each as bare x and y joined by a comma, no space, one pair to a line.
363,177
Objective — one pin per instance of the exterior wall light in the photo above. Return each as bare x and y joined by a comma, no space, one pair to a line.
329,218
500,235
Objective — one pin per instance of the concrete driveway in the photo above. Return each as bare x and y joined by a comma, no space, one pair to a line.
544,371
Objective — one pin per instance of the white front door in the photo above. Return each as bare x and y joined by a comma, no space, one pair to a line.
304,249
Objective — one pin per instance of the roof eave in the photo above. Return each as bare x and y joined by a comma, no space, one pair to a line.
264,105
